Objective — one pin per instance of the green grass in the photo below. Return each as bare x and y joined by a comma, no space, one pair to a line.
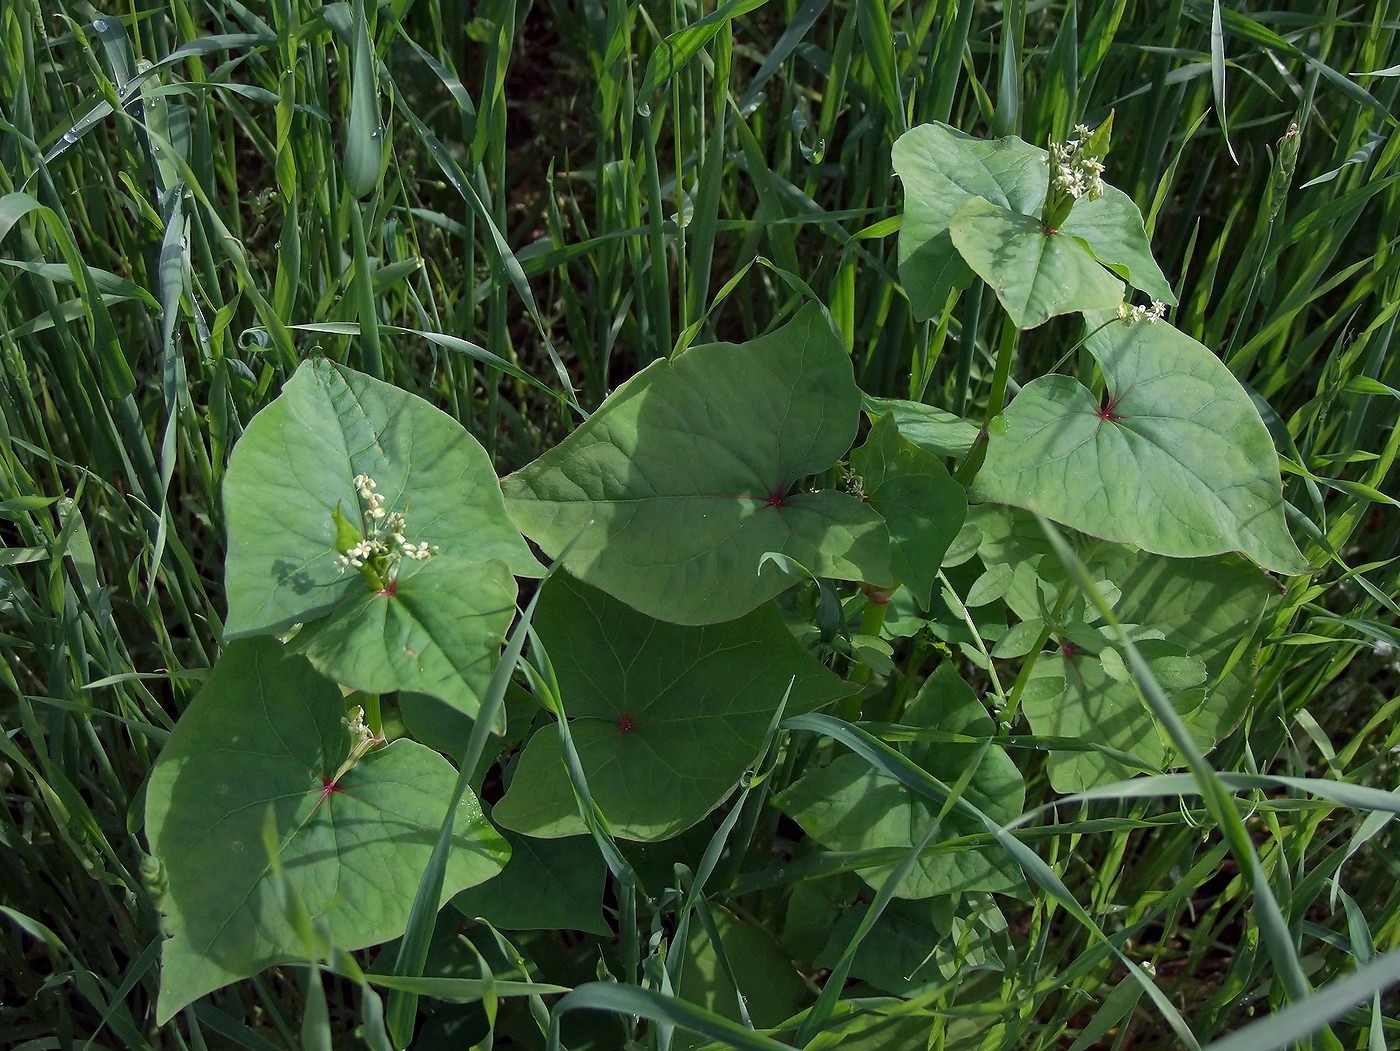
507,244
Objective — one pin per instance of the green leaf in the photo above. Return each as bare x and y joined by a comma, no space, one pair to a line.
912,944
1200,608
364,151
772,989
266,734
665,718
1036,275
439,631
1072,694
673,53
548,884
1175,460
686,476
849,806
296,463
1113,229
918,499
941,169
880,1030
936,430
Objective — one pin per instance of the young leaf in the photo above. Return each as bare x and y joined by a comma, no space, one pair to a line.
266,734
364,150
1174,460
665,718
297,462
685,477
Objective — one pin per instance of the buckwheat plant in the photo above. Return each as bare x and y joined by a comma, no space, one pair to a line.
378,546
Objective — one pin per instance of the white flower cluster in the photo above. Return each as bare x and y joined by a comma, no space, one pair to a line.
355,723
384,532
362,739
1151,314
853,483
1076,173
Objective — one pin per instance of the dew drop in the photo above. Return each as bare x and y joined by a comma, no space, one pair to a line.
644,110
70,137
99,25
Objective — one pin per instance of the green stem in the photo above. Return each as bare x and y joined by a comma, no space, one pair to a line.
917,652
877,603
1006,353
1013,699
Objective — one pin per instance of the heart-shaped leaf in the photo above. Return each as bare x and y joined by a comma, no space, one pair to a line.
677,486
1036,274
665,718
297,463
265,736
942,170
848,806
1174,460
918,499
438,631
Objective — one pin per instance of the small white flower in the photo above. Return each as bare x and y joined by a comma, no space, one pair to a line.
1151,314
385,541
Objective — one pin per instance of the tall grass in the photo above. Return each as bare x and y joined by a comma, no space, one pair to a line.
489,205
